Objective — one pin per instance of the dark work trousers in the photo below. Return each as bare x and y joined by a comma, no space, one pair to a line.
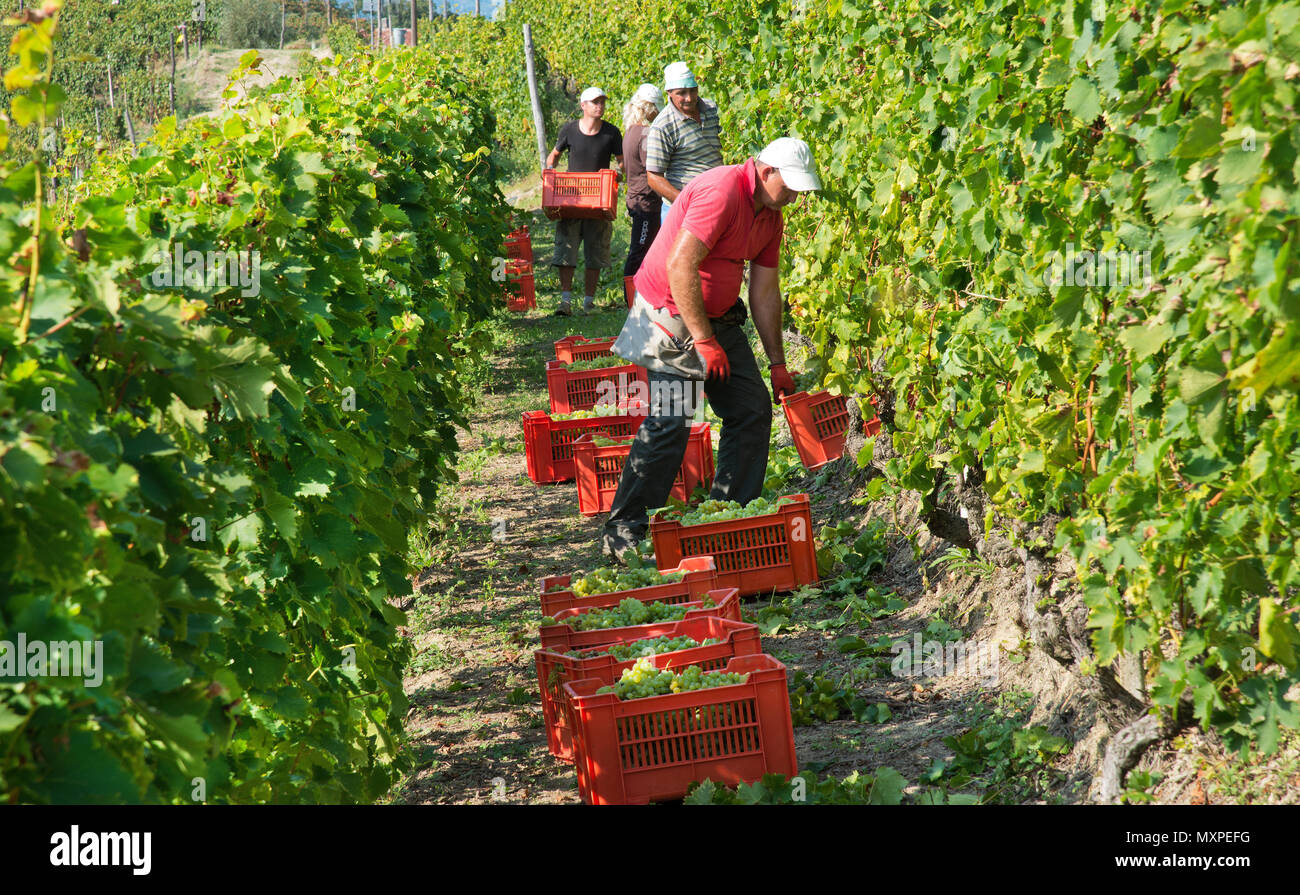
645,226
745,406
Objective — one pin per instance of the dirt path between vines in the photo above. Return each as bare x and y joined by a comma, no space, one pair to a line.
475,721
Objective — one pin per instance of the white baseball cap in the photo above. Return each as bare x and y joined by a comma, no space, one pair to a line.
648,93
678,75
793,158
591,93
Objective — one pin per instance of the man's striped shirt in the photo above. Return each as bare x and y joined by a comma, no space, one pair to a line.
680,148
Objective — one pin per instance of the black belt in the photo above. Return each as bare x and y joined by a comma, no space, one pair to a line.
735,315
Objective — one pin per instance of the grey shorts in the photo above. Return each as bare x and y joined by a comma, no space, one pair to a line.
594,236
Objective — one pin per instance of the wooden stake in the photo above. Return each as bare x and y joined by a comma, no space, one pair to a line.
171,88
1128,376
130,128
539,123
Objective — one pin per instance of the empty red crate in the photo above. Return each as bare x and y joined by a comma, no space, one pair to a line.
629,290
519,245
818,422
576,348
521,292
585,389
569,194
701,577
556,668
598,468
548,443
758,555
563,637
643,750
872,426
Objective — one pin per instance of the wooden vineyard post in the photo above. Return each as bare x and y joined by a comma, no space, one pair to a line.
539,124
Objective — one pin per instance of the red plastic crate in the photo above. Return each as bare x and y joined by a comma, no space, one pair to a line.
585,389
521,292
645,750
629,290
758,555
562,637
519,245
548,443
818,422
555,668
576,348
872,426
701,577
570,194
598,468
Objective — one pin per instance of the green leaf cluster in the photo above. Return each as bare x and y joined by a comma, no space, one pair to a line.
218,482
885,787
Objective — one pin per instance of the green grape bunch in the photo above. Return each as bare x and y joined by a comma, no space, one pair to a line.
597,411
725,510
596,363
652,646
607,580
644,679
627,613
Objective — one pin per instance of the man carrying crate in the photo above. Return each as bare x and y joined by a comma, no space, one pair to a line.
685,327
590,143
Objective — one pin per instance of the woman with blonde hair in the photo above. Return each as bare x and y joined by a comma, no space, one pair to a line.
643,203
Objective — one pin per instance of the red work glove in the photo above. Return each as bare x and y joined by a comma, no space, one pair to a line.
782,382
715,359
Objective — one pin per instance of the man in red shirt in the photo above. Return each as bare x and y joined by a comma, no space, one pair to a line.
686,326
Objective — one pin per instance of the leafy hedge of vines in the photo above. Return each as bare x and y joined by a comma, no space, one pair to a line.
219,485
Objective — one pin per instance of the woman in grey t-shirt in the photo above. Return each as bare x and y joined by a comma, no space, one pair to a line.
643,203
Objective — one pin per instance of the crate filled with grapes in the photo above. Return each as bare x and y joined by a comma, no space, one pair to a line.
585,627
648,736
690,579
761,547
572,349
585,383
706,642
549,437
598,465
